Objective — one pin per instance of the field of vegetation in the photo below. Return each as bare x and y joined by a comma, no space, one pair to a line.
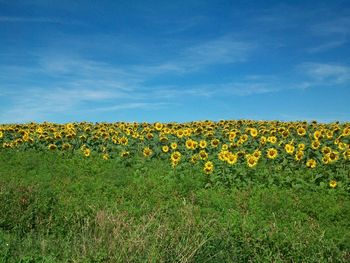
227,191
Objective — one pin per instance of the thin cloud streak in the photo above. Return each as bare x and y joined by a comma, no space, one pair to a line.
326,74
326,46
339,26
21,19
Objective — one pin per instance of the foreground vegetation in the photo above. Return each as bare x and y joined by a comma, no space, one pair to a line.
242,191
67,208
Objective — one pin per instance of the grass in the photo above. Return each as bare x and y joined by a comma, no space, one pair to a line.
67,209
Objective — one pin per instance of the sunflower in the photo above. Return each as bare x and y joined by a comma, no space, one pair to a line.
70,135
272,153
251,161
333,183
158,126
194,158
272,139
105,156
222,155
311,163
147,152
299,155
203,144
189,144
289,148
173,145
301,131
232,159
57,135
317,135
187,132
253,132
301,146
244,138
346,154
285,134
165,148
69,126
66,146
124,154
215,143
175,156
341,146
326,150
232,135
180,133
52,147
315,144
224,147
203,154
333,156
329,134
346,131
123,140
163,138
325,159
39,130
257,154
208,167
87,152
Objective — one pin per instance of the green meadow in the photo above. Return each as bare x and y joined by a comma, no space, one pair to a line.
57,208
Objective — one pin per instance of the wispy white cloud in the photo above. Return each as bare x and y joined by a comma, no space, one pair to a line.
326,74
224,50
51,20
132,105
219,51
339,26
326,46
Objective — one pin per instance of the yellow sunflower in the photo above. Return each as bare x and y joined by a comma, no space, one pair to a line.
173,145
52,147
215,143
333,183
289,148
87,152
232,159
208,167
202,144
299,155
301,131
165,148
251,160
311,163
203,154
271,153
175,156
147,152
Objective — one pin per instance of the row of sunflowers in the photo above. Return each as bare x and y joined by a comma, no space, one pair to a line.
212,145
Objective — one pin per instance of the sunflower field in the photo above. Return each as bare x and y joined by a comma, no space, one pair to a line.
234,152
204,191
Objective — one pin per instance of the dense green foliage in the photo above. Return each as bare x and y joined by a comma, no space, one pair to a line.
57,208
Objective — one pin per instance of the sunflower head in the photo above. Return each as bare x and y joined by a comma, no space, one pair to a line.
52,147
147,152
87,152
251,161
271,153
311,163
333,183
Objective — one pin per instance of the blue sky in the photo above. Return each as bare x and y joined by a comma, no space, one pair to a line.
82,60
